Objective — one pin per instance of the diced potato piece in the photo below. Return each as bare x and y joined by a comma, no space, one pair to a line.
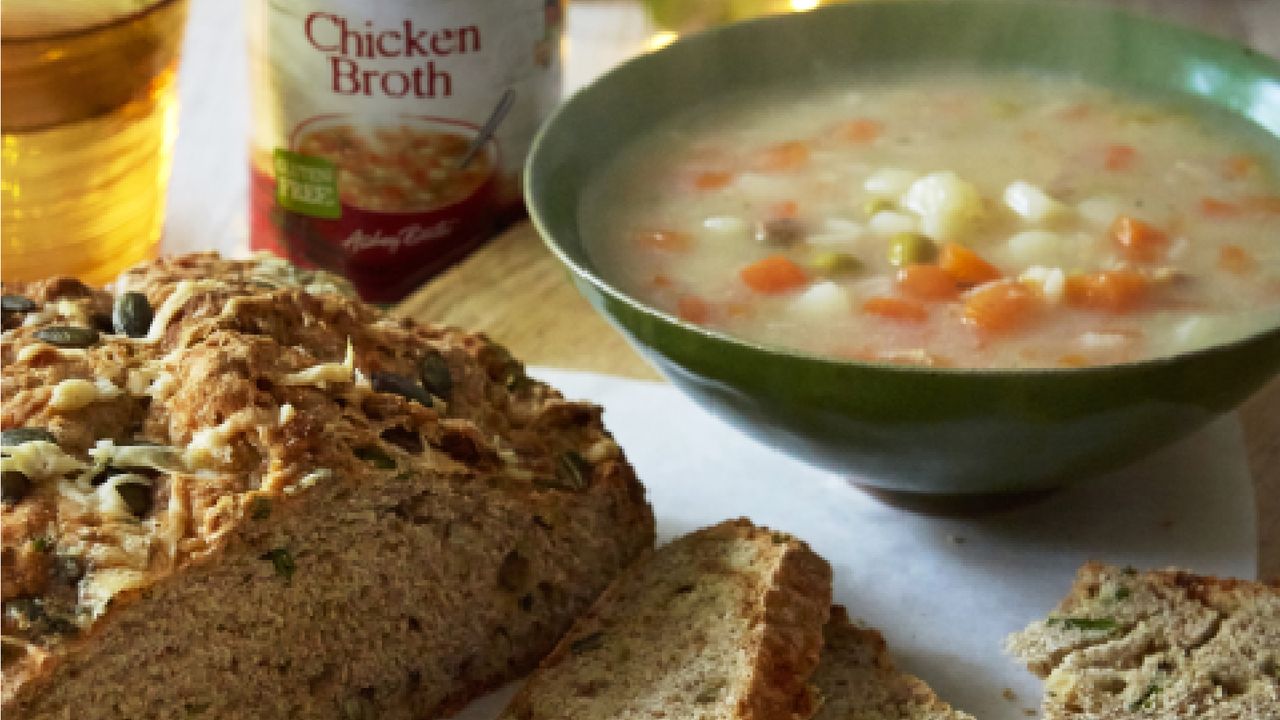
837,231
946,204
1031,203
889,183
1035,247
725,225
822,299
892,222
1101,211
1050,280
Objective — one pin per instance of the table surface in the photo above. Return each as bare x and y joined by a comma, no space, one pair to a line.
514,289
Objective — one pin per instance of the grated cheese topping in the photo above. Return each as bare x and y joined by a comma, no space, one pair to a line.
210,447
182,292
325,373
38,459
34,349
100,585
75,393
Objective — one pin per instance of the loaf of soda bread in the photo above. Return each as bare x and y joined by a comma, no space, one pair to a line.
857,679
722,624
1163,644
232,491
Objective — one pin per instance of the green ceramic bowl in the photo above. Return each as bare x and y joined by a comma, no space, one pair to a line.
919,430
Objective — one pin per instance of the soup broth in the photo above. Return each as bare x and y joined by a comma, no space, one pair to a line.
988,222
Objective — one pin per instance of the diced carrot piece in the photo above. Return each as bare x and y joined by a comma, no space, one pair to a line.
693,309
665,240
1001,307
966,266
1235,259
773,275
1215,208
899,309
737,309
712,180
1112,291
784,209
784,157
1120,158
1138,241
1238,167
860,131
927,282
660,281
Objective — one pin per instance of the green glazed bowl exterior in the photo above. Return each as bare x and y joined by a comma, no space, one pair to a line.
921,430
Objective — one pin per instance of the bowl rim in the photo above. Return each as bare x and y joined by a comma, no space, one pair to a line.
1267,66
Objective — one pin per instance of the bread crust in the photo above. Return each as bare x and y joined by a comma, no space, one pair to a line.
275,401
796,609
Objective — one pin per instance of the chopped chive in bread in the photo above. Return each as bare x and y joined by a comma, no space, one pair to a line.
232,491
724,623
857,679
1163,644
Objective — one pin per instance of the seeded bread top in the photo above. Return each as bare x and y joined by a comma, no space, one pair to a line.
144,423
858,681
1162,643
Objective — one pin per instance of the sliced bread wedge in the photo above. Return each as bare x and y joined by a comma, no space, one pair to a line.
1163,644
858,681
721,624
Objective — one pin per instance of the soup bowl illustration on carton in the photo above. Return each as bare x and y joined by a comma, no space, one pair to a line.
357,196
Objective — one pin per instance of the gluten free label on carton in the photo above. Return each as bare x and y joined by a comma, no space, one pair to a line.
307,185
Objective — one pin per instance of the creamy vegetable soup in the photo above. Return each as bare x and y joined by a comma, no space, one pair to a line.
1013,221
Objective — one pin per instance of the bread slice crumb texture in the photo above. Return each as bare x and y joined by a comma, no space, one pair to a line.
1162,644
723,623
858,681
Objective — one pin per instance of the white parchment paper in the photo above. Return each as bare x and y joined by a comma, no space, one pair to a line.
944,592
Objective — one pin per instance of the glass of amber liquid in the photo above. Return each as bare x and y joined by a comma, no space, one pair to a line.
88,113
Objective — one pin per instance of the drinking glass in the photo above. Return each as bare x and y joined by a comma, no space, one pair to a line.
88,113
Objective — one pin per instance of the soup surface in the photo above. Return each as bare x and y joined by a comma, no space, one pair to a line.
398,169
1006,221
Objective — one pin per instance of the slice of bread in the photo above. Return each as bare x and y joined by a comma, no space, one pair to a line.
723,623
858,681
1157,644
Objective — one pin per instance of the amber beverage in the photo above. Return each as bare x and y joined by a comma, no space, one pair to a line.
88,114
